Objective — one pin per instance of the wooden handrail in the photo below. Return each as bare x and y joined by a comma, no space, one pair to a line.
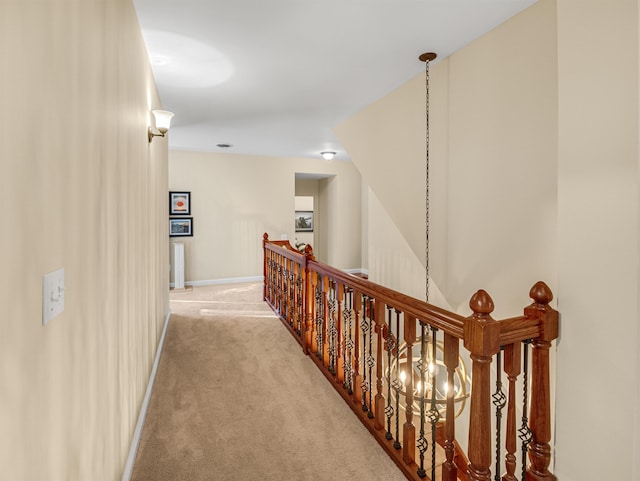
339,320
449,322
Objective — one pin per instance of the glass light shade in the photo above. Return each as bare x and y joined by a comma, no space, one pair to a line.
163,119
327,155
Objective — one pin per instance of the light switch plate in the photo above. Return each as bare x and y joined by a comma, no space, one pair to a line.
52,295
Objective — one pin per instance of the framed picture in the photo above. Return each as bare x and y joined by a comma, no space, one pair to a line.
304,221
179,203
181,227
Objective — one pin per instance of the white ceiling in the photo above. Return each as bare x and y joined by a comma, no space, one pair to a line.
273,77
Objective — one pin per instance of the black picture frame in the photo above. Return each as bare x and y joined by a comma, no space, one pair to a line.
181,227
304,220
179,203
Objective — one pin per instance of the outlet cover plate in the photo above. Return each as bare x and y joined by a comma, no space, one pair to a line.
52,295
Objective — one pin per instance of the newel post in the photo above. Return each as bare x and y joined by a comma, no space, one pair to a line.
482,339
540,410
308,297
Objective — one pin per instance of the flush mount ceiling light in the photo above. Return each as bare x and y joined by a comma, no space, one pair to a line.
327,155
163,122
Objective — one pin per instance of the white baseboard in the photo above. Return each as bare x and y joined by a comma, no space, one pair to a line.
235,280
137,434
231,280
358,271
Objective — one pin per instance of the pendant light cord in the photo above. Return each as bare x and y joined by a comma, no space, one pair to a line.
426,246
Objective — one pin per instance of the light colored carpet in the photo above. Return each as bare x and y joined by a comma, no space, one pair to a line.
236,399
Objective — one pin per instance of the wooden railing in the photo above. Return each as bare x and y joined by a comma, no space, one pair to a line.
387,354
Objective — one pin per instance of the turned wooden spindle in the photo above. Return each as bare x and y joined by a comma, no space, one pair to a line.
357,377
482,339
451,361
379,406
325,321
285,291
408,429
540,409
313,282
265,240
298,303
307,297
339,347
512,368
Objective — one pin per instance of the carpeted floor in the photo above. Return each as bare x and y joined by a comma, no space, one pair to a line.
236,399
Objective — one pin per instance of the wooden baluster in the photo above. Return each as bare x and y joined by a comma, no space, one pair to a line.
347,340
297,299
482,339
396,382
379,399
265,262
512,368
409,430
369,358
297,318
389,346
290,307
357,377
273,279
285,290
540,409
339,347
314,311
331,323
295,288
309,293
451,361
279,284
325,321
288,273
276,281
321,301
283,279
269,276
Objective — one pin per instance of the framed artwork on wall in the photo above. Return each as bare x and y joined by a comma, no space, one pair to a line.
304,221
179,203
181,227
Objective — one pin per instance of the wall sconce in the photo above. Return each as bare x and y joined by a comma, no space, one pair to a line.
163,121
326,155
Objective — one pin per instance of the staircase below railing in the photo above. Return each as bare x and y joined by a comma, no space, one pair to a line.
394,358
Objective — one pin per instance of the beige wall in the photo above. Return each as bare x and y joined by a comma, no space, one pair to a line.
389,152
502,143
492,181
237,198
539,135
598,213
83,190
395,264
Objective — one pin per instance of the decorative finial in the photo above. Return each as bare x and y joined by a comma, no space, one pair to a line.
481,303
540,293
